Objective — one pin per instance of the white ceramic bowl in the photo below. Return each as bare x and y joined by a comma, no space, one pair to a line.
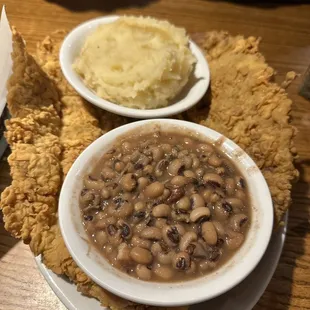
166,294
190,95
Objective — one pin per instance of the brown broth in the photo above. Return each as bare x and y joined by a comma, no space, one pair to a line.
165,206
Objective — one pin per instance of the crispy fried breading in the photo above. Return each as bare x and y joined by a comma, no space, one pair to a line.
79,122
251,110
23,212
80,127
30,91
47,56
29,205
34,170
245,106
31,130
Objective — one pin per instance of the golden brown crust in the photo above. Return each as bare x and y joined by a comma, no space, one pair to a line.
257,120
32,131
80,127
251,110
79,123
30,91
47,56
29,205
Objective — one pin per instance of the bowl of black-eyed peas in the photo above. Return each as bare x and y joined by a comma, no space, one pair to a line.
165,212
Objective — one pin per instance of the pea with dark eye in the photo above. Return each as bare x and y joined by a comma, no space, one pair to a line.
181,261
139,214
227,207
128,182
167,207
171,235
175,195
240,182
88,218
238,221
126,232
176,167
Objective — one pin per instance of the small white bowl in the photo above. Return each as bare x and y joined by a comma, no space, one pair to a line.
166,294
189,96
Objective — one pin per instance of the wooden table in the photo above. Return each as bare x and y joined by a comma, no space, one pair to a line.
285,30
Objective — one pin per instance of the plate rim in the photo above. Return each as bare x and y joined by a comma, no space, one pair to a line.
70,306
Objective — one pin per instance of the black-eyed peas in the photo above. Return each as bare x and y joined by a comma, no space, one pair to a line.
128,182
197,201
139,242
141,255
200,215
214,160
184,204
187,240
237,221
234,240
179,181
209,233
162,210
189,174
123,253
151,233
164,273
176,167
143,272
165,258
181,261
154,190
165,207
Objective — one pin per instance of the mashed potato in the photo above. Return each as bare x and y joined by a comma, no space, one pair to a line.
136,62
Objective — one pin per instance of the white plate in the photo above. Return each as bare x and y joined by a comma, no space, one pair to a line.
242,297
166,294
192,92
